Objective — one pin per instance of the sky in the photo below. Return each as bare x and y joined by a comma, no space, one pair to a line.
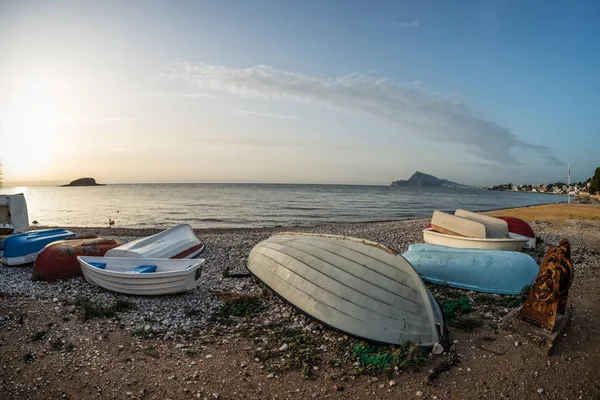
285,91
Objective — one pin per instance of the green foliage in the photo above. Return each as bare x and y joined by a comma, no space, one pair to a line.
453,308
246,306
380,357
92,309
595,185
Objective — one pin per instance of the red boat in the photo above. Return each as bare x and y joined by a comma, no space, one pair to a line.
518,226
58,260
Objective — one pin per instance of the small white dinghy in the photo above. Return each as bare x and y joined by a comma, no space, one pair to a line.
512,243
355,286
176,242
148,276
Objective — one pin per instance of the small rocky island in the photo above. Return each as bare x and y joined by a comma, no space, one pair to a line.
420,179
84,182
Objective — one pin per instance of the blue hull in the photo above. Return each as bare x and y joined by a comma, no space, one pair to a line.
490,271
24,247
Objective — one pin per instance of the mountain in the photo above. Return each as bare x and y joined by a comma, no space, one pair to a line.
84,182
420,179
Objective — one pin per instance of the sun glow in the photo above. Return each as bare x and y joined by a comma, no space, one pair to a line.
29,129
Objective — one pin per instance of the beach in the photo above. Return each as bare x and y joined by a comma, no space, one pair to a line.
192,346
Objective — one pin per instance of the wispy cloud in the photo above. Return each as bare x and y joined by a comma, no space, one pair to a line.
413,24
412,108
265,115
185,95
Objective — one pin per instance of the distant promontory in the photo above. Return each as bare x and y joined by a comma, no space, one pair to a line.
420,179
84,182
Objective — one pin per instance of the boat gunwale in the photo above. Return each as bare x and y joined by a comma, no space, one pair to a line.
197,263
483,240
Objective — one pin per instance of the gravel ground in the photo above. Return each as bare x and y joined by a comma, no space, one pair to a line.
171,347
226,253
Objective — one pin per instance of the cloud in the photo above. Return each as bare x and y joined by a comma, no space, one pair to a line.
413,24
185,95
410,107
265,115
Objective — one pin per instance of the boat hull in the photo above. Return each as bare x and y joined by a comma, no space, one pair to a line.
489,271
494,227
511,243
13,212
23,248
171,276
520,227
352,285
176,242
59,260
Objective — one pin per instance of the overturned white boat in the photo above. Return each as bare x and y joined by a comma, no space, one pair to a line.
176,242
352,285
13,213
511,243
149,276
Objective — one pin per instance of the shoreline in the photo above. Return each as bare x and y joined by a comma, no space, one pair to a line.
128,231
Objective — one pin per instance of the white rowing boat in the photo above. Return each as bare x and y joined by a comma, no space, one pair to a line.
494,227
142,276
455,225
352,285
511,243
176,242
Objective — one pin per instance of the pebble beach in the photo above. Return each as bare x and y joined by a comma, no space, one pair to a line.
177,347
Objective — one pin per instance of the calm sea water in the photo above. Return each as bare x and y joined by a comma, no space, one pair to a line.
252,205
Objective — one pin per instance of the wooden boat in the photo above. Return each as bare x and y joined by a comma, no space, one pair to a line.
494,227
519,227
23,248
176,242
453,225
13,213
355,286
148,276
490,271
58,260
511,243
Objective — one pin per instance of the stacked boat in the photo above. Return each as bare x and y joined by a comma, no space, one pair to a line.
476,252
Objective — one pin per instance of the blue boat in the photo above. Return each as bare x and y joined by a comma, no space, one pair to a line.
490,271
23,248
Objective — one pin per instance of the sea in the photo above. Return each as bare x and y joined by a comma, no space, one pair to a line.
252,205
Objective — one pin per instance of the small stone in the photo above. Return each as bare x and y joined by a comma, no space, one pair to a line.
286,314
392,383
540,390
54,300
468,369
374,379
419,393
179,346
284,347
315,368
270,376
216,395
437,349
516,344
208,356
